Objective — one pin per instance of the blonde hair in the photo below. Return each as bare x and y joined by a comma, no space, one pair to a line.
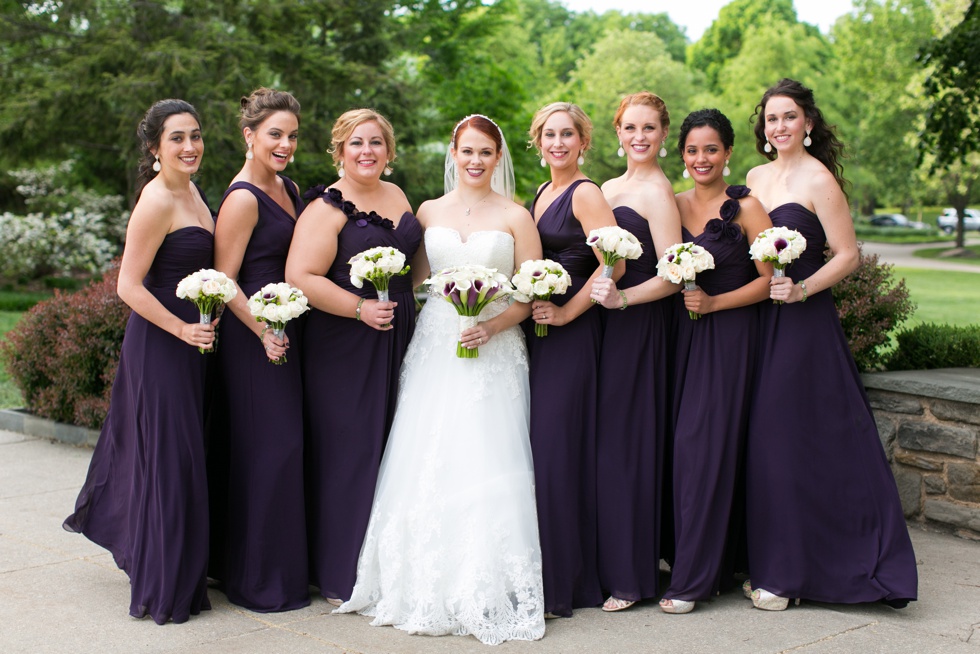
581,120
644,98
348,122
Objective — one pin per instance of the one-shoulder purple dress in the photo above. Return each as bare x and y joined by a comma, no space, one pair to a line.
350,384
146,498
630,434
256,437
825,520
563,374
716,358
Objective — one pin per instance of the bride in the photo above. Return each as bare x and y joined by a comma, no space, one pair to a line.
452,543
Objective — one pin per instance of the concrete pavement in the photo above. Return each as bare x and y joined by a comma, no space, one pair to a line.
61,593
902,255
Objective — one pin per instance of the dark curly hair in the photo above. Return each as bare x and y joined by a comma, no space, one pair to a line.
149,132
707,118
825,145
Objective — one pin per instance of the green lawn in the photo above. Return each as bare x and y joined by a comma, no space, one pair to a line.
942,297
933,253
9,394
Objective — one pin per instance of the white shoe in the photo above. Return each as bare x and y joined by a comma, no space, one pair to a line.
676,606
763,599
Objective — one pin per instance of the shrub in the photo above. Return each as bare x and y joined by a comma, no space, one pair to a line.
936,346
64,352
870,304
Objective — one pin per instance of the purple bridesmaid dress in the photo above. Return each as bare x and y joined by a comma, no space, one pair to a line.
631,427
716,358
350,383
145,498
563,374
258,512
825,520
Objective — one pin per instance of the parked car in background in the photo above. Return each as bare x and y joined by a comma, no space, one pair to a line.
947,221
895,220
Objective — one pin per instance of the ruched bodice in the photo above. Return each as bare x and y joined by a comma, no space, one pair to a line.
728,245
182,252
563,239
641,269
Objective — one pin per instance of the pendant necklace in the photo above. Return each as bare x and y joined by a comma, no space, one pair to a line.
470,208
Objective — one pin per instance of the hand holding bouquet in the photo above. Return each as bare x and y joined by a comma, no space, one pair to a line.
614,243
207,288
539,279
681,263
469,289
377,265
779,246
277,304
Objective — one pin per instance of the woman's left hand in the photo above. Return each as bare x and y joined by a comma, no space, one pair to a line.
476,336
698,301
548,313
783,289
604,292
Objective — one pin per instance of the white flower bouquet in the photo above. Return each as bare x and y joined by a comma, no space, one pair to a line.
207,288
614,243
539,279
469,289
779,246
681,263
377,265
277,304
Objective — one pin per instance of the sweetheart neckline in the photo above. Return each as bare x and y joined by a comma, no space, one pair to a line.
469,237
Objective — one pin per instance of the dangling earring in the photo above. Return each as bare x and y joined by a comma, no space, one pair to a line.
807,142
663,149
156,164
340,170
620,152
544,164
495,178
248,153
767,147
388,171
581,160
685,174
726,171
292,158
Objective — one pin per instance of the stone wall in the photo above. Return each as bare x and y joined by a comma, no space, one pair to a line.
929,423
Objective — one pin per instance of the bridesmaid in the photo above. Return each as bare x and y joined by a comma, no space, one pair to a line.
145,497
259,532
716,357
825,520
564,364
633,398
353,345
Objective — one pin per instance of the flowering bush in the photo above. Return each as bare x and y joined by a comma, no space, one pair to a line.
67,230
64,352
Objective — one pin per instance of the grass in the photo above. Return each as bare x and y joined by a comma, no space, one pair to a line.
10,396
934,253
941,296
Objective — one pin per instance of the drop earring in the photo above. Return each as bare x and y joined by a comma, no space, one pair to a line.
663,149
767,147
156,164
807,142
685,174
544,164
340,170
292,158
581,160
388,171
620,152
726,171
248,153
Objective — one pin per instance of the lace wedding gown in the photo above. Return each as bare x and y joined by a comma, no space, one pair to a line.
452,544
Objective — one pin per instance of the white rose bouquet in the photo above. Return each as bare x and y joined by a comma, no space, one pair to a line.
377,265
539,279
681,263
779,246
614,243
277,304
207,288
469,289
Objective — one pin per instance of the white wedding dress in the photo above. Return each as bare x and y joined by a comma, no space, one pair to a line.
452,544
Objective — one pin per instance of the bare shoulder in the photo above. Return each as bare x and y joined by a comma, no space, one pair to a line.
430,208
155,208
396,197
239,200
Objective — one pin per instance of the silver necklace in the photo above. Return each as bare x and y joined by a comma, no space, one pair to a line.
471,207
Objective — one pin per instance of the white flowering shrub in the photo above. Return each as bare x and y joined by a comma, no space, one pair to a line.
68,230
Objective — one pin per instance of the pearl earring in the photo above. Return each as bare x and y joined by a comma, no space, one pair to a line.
726,171
248,153
807,142
767,147
581,160
292,158
156,164
340,170
663,150
685,174
620,152
388,171
544,164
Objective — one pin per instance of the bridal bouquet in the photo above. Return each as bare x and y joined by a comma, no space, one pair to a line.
469,289
277,304
681,263
779,246
539,279
614,243
377,265
207,289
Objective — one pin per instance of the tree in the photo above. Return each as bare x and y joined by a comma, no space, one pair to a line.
952,120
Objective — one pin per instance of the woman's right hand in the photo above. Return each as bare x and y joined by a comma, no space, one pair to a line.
604,292
275,348
198,335
378,315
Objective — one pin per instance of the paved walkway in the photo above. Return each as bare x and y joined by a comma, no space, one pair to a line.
60,593
902,255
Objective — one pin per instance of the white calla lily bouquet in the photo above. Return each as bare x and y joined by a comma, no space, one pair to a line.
539,279
469,289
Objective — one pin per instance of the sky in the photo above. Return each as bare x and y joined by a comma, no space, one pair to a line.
697,15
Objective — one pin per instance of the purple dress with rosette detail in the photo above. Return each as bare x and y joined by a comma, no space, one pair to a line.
255,455
145,498
716,358
350,384
825,519
564,370
631,426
